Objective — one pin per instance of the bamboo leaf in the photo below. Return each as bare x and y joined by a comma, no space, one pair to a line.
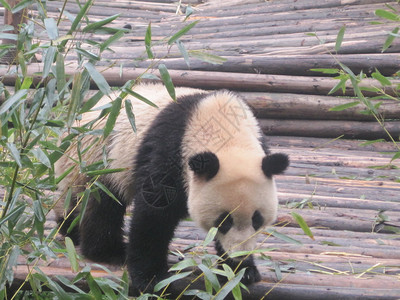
26,84
210,236
395,156
140,97
9,36
96,25
88,54
88,105
187,263
339,38
77,19
229,286
181,32
390,39
283,237
149,76
210,58
21,94
246,253
51,28
210,276
84,202
372,142
41,157
13,214
387,15
147,42
60,75
38,211
63,175
166,78
98,78
188,12
115,37
130,115
48,60
344,106
106,190
72,256
112,117
170,279
340,85
21,5
14,153
183,51
326,71
382,79
299,219
6,6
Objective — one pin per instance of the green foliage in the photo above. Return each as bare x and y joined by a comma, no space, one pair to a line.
384,88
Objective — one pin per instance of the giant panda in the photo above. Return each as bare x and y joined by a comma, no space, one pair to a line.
202,155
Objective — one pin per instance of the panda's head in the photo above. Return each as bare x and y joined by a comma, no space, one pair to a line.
235,192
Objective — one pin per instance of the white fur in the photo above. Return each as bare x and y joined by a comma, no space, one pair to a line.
224,125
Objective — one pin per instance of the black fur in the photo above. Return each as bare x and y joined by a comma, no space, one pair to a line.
257,220
160,201
224,222
275,164
65,226
101,229
100,233
204,165
251,274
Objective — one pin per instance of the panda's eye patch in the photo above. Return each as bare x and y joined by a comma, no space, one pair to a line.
224,222
257,220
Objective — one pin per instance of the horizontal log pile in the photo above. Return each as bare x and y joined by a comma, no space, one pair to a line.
269,47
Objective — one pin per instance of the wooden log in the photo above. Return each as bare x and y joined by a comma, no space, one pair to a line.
337,187
234,8
216,80
287,198
329,129
387,64
98,11
333,146
346,287
288,46
310,107
242,82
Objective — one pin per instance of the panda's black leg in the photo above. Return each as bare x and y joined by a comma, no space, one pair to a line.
150,234
101,230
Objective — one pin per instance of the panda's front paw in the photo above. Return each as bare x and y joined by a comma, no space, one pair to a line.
145,284
251,275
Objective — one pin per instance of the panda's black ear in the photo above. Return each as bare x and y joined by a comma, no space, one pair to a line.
275,164
204,165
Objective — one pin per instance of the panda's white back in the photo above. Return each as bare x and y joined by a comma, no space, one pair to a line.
121,145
